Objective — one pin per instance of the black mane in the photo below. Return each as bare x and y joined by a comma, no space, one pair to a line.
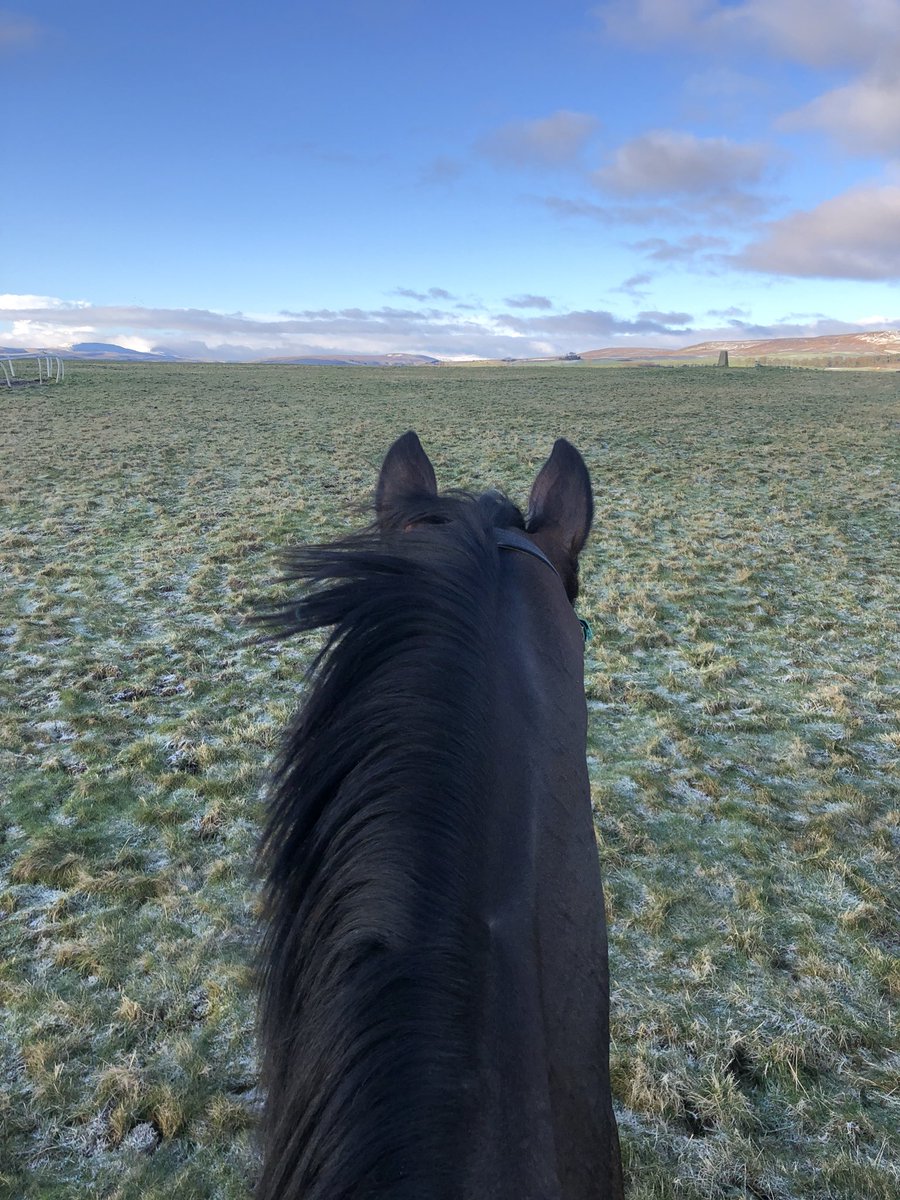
368,997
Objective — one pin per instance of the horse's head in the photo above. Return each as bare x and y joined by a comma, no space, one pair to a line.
559,513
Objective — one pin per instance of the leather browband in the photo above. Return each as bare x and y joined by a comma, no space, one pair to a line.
512,539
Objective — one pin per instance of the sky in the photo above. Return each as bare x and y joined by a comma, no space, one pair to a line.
229,180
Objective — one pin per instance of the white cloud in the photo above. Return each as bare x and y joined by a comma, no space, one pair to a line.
876,321
818,33
529,301
863,115
554,141
27,334
653,20
852,236
613,214
668,162
19,303
596,326
635,285
698,247
144,345
433,293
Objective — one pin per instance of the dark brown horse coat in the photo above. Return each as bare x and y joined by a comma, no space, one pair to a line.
435,992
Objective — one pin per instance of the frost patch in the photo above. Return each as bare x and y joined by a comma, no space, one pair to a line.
142,1139
56,731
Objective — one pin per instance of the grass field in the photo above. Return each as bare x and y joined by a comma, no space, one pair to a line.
744,744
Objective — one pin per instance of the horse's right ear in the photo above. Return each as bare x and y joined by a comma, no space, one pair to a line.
561,506
405,472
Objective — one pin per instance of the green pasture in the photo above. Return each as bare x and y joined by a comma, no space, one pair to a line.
744,747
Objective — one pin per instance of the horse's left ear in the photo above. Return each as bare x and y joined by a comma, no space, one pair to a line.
405,472
561,506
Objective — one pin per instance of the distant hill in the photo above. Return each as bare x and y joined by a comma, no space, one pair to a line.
107,350
357,360
879,347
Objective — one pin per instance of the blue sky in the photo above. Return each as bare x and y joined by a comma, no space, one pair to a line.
229,180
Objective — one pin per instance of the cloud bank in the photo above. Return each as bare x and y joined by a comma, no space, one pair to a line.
202,333
232,337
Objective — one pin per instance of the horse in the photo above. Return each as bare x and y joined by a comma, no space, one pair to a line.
434,987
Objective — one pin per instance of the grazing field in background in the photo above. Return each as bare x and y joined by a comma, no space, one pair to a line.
741,580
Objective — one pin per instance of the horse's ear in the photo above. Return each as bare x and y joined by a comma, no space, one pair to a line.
561,506
406,471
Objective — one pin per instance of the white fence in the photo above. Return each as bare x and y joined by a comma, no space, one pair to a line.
32,366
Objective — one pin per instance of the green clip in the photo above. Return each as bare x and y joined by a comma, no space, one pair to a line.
586,629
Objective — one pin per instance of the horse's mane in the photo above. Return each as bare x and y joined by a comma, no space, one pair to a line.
369,854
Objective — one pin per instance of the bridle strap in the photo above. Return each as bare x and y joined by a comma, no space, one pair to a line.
511,539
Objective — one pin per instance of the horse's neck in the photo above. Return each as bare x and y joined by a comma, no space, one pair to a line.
540,902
